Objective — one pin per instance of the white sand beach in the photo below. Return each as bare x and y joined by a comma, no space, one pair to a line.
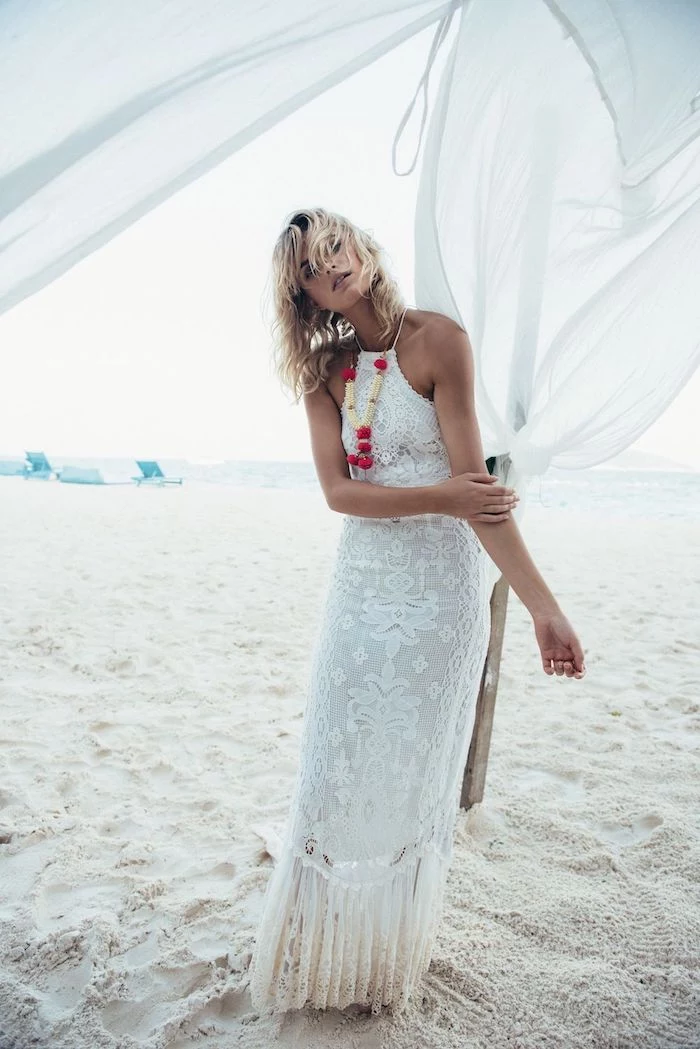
154,646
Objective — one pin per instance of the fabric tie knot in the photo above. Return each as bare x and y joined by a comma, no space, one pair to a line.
527,458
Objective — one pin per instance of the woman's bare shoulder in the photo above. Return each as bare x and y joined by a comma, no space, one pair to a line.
435,325
443,345
437,335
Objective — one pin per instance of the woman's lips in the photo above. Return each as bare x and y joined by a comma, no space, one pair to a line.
339,280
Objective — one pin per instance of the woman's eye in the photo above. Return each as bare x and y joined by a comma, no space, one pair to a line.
309,272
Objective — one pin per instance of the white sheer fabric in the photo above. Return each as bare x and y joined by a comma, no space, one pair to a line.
109,109
559,219
353,902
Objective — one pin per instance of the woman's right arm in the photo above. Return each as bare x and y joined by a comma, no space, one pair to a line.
474,496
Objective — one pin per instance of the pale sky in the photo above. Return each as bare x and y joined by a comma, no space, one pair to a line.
156,346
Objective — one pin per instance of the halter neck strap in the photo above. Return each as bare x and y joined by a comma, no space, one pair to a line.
393,345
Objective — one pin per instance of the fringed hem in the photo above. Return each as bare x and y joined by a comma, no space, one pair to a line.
330,944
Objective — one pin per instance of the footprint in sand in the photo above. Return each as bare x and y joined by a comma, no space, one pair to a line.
675,722
65,966
567,786
631,833
56,904
147,995
108,734
221,1015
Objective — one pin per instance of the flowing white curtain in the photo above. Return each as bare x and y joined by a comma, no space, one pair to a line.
559,219
558,216
109,108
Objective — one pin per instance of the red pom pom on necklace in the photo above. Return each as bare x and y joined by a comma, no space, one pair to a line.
364,446
348,374
364,431
352,459
364,461
380,364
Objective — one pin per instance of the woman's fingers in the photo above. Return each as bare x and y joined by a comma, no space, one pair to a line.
563,667
574,661
490,517
495,511
492,481
498,508
560,648
558,667
495,490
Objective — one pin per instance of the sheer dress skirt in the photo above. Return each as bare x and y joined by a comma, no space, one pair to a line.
351,907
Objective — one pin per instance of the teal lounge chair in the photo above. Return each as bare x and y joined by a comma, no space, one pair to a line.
37,465
151,473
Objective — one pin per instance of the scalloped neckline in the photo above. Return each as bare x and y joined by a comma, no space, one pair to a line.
392,349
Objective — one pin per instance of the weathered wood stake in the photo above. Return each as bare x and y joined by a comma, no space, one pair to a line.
478,757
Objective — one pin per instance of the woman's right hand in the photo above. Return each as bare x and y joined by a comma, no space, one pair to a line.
478,497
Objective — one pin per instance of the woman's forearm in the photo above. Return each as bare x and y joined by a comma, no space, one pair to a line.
364,499
504,545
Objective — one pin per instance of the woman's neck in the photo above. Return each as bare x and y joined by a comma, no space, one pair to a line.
367,326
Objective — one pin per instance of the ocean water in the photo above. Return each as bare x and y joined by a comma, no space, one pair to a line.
629,493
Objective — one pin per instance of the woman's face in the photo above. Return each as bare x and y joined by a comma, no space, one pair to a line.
339,286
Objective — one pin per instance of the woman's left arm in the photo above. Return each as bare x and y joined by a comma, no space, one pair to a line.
452,365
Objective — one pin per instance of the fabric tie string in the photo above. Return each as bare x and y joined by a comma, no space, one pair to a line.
441,32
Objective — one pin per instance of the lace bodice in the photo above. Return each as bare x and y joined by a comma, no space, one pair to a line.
407,444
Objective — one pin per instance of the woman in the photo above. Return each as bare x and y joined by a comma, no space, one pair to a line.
352,904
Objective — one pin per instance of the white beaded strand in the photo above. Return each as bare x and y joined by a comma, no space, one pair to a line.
363,427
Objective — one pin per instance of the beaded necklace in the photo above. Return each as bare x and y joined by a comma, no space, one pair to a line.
363,426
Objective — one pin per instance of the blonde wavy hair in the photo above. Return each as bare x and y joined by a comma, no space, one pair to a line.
307,339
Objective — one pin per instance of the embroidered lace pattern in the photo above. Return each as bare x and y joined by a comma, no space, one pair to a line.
352,905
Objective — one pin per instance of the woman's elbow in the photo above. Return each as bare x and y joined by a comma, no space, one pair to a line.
335,497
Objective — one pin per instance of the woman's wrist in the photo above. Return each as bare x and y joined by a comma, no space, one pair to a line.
544,608
437,499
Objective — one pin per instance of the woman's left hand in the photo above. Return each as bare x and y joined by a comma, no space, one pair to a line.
560,648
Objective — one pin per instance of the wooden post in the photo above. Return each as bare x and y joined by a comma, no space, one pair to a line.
478,758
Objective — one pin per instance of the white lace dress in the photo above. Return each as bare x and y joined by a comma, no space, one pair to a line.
352,905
